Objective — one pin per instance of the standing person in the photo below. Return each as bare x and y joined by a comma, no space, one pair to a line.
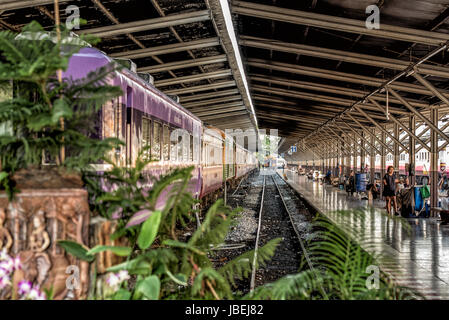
351,183
389,181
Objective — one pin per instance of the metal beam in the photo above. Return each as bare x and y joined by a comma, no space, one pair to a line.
340,55
393,118
290,118
272,99
419,115
359,135
338,23
210,101
367,130
429,86
216,107
217,85
196,97
380,127
170,48
309,96
233,123
20,4
176,34
225,115
193,78
404,72
184,64
340,138
224,27
304,112
336,75
148,24
241,107
336,90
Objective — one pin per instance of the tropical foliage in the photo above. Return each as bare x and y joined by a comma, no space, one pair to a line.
161,262
164,257
46,112
338,268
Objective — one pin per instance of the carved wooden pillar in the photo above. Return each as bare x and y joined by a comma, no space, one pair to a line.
36,220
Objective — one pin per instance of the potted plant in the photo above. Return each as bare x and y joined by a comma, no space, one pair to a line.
46,129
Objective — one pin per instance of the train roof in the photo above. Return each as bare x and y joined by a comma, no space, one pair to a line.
89,59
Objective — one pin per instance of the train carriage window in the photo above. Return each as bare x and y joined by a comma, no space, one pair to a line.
146,136
182,150
117,118
156,145
166,143
191,148
173,146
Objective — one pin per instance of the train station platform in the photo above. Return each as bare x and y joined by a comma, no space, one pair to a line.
414,252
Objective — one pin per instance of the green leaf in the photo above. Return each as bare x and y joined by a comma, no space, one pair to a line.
178,278
149,230
61,110
39,121
3,175
120,251
122,294
149,288
183,245
76,249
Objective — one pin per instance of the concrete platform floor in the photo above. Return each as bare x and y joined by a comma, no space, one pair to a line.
414,252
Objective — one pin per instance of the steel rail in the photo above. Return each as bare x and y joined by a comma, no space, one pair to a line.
238,186
303,248
256,247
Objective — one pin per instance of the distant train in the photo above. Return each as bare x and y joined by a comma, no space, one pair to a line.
144,116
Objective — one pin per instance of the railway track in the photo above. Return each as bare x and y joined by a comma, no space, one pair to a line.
271,209
281,214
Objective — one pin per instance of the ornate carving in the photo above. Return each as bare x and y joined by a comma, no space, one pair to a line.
102,236
33,224
39,239
5,236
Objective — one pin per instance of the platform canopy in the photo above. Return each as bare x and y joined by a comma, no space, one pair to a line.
311,69
317,72
186,45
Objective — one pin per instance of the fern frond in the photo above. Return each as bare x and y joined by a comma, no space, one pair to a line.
241,266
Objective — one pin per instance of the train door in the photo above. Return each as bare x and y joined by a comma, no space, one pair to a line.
129,115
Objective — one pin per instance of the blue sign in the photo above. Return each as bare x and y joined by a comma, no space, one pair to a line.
293,148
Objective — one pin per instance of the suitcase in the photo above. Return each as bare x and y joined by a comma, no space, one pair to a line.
407,202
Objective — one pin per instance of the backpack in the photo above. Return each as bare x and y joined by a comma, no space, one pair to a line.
425,192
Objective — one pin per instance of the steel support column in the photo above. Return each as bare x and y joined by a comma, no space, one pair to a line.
383,159
412,147
372,157
363,152
396,153
434,160
355,155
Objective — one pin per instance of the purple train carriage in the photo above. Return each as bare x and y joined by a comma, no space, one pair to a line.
144,116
